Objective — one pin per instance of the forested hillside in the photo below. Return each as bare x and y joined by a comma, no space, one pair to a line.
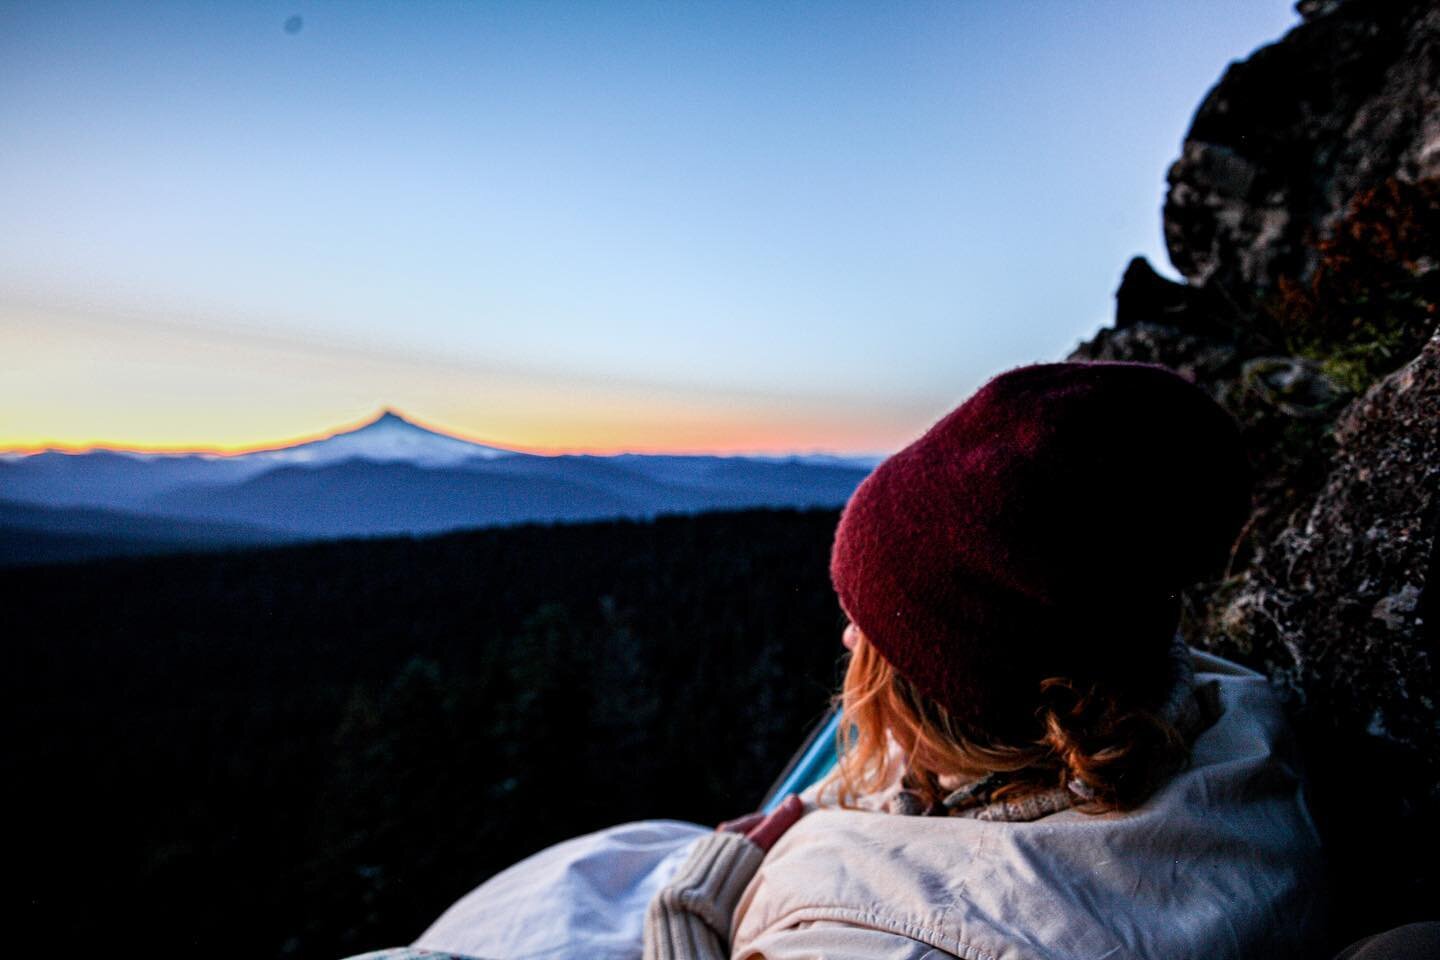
311,751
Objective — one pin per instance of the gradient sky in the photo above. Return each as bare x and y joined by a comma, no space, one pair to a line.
573,226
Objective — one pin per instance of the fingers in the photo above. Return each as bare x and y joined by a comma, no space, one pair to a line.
772,827
741,824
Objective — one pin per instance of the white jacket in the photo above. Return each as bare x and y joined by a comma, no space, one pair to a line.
1222,863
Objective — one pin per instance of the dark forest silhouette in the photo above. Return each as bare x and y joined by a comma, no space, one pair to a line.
313,750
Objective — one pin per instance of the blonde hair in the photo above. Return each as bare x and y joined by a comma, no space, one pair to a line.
1113,754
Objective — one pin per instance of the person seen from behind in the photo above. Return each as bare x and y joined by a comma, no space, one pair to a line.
1034,765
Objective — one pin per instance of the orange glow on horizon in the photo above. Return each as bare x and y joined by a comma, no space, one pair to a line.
661,438
94,382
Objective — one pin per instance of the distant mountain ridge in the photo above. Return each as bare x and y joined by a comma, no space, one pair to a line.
387,438
388,476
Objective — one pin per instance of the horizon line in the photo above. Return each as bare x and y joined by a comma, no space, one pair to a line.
98,446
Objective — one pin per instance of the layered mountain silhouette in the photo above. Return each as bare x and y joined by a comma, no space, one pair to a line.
389,476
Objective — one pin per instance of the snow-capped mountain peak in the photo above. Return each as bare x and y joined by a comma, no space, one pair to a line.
388,438
388,416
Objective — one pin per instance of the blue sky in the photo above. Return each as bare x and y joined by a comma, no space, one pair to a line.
701,226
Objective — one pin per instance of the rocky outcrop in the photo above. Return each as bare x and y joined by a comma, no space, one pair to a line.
1340,590
1305,216
1339,608
1288,136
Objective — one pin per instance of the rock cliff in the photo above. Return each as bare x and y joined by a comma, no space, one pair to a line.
1304,214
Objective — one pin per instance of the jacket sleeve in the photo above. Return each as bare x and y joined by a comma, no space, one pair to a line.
689,919
838,940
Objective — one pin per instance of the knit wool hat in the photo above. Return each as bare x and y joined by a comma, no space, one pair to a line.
1043,528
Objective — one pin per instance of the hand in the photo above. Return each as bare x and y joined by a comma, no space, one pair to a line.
763,829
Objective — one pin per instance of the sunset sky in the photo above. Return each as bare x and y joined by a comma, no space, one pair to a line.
731,227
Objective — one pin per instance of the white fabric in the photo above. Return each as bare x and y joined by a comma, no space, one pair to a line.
583,899
1222,864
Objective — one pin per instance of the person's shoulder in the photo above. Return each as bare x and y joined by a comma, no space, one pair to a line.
1247,722
1205,867
1206,662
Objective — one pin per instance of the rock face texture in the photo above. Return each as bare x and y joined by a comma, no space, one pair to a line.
1304,213
1287,137
1340,589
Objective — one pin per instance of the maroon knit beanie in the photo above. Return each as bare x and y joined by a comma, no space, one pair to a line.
1043,528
